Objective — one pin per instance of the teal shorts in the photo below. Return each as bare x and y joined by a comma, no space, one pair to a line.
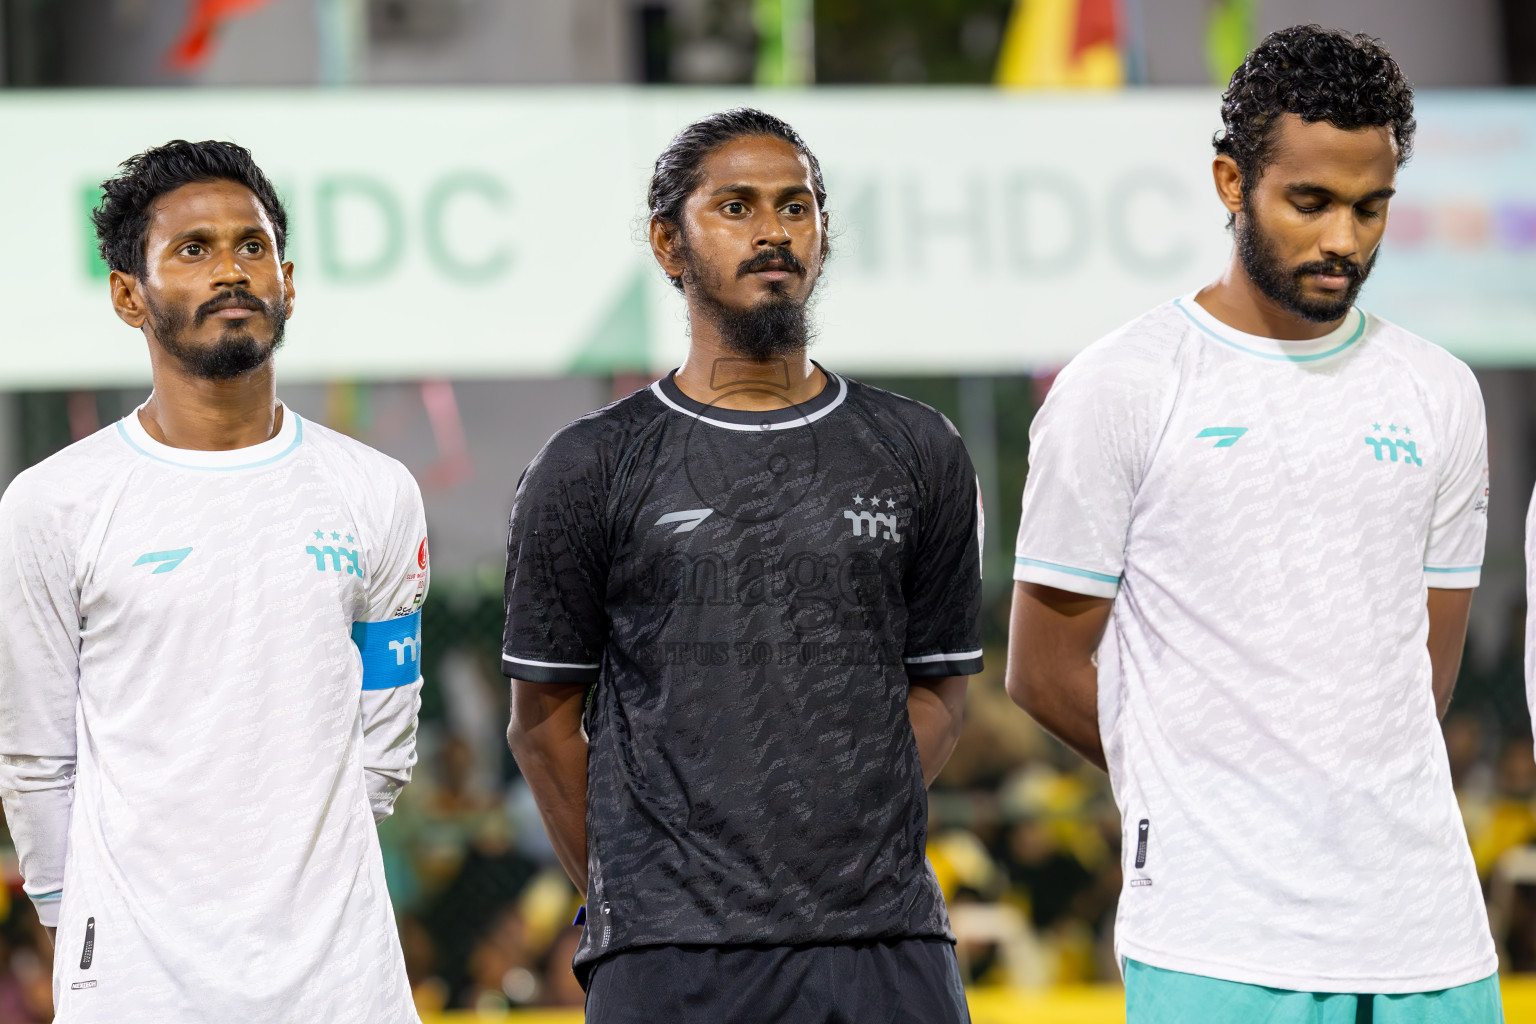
1156,996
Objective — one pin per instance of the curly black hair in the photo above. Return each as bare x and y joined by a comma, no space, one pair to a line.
679,167
122,218
1319,74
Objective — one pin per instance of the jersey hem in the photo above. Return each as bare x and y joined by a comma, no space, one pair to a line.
1065,577
532,670
1246,975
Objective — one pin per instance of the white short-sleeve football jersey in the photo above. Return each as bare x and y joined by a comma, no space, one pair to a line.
1267,516
208,692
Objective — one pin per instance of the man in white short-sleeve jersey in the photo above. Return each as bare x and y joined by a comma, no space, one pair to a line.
1252,527
209,648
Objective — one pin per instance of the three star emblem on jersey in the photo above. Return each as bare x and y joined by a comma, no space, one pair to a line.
1387,447
872,519
336,555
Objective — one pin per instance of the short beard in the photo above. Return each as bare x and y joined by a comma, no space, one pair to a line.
234,354
1282,284
776,327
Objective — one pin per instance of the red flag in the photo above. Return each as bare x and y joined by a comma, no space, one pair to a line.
1096,24
203,22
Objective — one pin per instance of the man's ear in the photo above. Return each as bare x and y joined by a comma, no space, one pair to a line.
667,247
128,298
288,293
1229,183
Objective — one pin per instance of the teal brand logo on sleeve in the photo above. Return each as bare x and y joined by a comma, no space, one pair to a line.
1228,435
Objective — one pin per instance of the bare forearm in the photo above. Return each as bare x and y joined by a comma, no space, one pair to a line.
936,709
1052,637
1449,611
1068,708
557,776
547,740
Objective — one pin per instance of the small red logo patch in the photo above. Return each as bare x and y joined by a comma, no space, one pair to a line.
421,554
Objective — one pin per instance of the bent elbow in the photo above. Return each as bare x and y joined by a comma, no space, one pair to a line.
517,737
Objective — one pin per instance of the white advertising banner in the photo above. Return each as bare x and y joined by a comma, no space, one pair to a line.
495,233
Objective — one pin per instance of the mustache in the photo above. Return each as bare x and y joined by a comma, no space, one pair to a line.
233,298
777,258
1344,268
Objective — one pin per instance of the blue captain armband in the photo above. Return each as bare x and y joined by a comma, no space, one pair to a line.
391,651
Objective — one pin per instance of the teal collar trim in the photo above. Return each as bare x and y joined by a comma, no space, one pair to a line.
213,462
1282,357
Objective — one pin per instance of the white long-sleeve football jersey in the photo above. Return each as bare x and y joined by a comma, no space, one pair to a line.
208,693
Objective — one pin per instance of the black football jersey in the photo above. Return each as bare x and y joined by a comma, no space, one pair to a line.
748,594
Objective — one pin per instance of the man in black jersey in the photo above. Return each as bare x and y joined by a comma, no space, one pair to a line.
741,608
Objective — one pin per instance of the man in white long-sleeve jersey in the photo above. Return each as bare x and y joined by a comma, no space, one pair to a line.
209,648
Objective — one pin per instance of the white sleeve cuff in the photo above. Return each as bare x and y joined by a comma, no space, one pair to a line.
1452,577
1065,577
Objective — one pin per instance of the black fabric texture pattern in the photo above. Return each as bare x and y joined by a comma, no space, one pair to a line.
748,594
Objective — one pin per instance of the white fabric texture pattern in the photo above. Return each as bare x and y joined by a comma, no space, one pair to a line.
1267,516
192,756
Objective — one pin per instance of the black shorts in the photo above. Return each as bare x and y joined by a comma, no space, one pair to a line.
907,981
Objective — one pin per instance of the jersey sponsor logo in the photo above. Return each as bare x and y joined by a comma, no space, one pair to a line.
168,559
1142,828
1137,883
419,577
1387,447
687,521
90,944
77,986
1228,435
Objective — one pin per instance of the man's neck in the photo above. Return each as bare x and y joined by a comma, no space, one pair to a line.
1237,302
212,415
717,375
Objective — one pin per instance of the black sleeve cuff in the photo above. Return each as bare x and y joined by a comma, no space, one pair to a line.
943,663
544,670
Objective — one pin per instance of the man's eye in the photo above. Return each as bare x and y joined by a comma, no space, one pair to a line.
192,249
735,207
254,248
795,209
1367,214
1311,209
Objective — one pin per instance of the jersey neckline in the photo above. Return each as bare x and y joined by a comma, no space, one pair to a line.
1338,340
288,438
828,398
